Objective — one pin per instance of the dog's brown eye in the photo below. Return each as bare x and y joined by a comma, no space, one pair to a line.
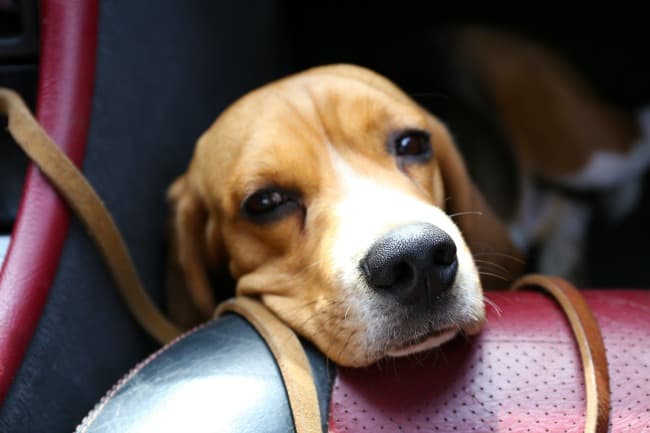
264,201
269,203
412,143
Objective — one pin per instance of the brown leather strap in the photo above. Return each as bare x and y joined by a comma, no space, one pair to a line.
590,343
290,356
90,209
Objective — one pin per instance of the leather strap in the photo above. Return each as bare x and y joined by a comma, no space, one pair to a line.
84,201
290,356
590,343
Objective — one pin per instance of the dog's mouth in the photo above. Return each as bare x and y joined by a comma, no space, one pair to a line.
425,342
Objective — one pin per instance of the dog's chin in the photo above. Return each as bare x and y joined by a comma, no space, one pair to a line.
437,337
425,342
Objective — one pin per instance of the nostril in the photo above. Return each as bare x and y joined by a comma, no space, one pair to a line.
445,254
383,275
403,274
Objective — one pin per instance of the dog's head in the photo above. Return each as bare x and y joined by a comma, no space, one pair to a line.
345,207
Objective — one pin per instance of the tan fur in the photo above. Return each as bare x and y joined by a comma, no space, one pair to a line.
284,133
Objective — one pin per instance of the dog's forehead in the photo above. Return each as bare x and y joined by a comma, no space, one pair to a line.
292,122
317,106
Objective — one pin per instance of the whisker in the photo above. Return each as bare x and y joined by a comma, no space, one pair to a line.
493,304
496,265
507,256
492,274
469,212
345,316
485,268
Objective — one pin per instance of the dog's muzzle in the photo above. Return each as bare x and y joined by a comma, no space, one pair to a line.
415,264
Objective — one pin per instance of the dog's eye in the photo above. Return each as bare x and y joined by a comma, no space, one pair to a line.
414,143
269,203
264,201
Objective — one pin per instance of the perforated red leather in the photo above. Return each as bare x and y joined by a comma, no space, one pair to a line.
521,374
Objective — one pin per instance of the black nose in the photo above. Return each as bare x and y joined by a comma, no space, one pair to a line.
413,263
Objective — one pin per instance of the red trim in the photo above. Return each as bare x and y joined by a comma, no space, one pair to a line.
67,72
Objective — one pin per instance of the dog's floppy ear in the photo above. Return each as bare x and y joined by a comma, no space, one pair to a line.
194,249
498,258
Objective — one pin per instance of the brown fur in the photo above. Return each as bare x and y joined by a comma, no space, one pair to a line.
278,134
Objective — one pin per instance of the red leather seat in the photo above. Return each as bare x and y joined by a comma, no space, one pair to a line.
522,374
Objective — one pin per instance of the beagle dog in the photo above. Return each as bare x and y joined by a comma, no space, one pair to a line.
344,207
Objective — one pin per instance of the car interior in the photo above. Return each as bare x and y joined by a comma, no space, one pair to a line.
126,88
